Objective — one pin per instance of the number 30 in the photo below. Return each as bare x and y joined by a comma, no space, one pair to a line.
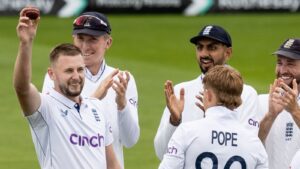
214,159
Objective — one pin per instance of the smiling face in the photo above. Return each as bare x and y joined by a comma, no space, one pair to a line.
287,69
68,75
210,53
93,49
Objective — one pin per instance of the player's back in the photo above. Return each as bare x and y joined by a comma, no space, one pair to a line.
220,141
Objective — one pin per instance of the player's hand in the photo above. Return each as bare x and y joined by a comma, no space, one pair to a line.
200,101
289,97
275,98
102,89
26,28
120,87
174,104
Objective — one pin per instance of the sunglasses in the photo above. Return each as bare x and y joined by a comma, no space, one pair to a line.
91,22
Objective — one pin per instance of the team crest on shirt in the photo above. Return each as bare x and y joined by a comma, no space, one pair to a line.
96,115
289,131
63,113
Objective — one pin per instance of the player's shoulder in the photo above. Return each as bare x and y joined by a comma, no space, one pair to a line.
249,89
187,84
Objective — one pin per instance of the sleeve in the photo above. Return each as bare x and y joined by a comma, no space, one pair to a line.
250,115
262,159
175,156
128,117
163,134
295,164
48,84
40,117
108,133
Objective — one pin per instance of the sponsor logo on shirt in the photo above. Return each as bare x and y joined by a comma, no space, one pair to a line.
289,131
93,141
172,150
253,122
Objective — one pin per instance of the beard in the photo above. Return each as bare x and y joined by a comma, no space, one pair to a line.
70,91
210,63
290,81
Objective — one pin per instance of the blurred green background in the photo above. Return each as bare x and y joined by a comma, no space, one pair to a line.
153,48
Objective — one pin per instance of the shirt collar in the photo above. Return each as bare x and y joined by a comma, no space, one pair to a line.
220,111
63,99
96,77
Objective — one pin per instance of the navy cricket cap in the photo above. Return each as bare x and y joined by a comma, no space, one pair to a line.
213,32
290,48
91,23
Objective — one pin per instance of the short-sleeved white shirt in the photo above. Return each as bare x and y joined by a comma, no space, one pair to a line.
125,125
283,140
247,112
65,138
216,141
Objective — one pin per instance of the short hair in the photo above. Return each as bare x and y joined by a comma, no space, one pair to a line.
227,83
63,49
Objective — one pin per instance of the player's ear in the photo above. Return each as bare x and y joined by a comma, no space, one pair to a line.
109,41
228,52
51,73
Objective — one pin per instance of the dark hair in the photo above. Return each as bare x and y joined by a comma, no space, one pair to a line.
63,49
227,83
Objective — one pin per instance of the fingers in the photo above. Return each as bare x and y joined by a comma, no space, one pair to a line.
200,103
121,86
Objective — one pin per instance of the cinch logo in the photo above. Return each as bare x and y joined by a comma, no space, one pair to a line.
94,141
253,122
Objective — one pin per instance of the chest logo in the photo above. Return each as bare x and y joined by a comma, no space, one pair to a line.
289,131
96,115
63,113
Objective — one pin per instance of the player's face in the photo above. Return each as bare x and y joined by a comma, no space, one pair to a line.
93,48
210,53
288,69
68,75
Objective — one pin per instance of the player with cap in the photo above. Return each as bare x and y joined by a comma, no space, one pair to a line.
219,140
68,130
279,128
92,34
213,47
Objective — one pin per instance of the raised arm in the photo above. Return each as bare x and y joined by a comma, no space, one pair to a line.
170,120
128,115
27,93
275,107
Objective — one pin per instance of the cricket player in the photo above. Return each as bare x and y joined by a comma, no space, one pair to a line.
220,140
279,129
116,89
69,131
213,47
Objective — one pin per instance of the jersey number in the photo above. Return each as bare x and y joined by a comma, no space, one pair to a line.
214,160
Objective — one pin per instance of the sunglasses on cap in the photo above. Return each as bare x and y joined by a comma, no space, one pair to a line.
91,22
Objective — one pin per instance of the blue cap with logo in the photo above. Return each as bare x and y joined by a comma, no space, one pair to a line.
290,48
213,32
91,23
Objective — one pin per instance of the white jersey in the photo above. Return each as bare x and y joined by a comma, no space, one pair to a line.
282,141
217,141
247,112
295,164
125,126
65,137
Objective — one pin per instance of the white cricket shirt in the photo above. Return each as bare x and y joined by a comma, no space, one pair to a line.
295,164
125,125
247,112
65,138
217,141
283,140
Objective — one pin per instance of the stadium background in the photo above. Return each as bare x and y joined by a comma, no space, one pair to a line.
154,48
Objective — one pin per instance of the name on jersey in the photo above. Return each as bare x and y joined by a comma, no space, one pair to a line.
94,141
224,138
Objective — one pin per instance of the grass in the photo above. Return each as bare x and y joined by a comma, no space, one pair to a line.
154,48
